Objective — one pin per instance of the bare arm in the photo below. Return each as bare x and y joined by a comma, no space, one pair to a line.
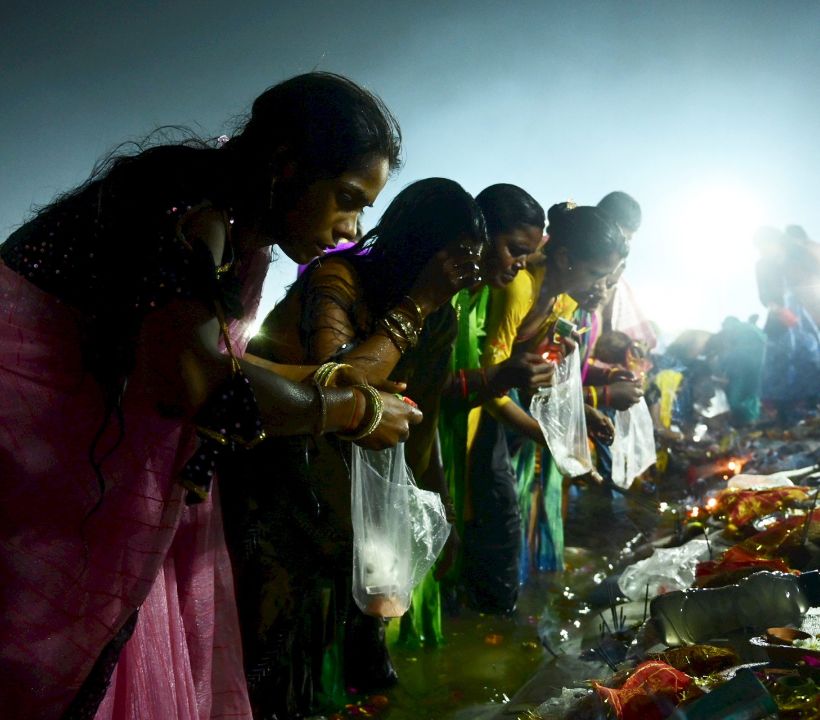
331,299
512,415
179,363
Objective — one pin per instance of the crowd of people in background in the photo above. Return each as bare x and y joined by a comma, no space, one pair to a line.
175,522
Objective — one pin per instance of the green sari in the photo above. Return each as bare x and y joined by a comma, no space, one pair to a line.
422,622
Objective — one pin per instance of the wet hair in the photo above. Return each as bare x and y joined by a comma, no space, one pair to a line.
422,219
324,122
585,232
623,209
509,207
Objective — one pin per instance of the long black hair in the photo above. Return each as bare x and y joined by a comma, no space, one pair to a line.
420,221
322,122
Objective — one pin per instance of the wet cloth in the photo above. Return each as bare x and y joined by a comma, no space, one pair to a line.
71,575
493,476
540,502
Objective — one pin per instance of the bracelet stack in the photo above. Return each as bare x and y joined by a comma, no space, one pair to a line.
403,326
324,373
375,405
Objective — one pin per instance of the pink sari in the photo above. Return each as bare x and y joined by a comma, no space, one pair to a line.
70,578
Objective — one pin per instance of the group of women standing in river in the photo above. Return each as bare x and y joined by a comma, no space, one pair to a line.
175,509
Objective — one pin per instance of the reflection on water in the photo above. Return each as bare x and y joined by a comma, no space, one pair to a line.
493,667
486,660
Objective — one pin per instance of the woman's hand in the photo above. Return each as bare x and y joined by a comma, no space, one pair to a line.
623,394
397,418
444,275
528,371
599,425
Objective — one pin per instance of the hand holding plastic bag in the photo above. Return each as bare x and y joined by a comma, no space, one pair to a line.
559,411
398,531
633,450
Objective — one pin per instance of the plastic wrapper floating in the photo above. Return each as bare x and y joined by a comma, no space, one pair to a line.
559,411
398,531
665,570
765,599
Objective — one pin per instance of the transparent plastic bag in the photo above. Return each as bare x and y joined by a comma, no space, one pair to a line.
559,411
633,450
398,531
667,569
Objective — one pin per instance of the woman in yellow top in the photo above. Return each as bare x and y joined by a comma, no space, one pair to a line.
584,246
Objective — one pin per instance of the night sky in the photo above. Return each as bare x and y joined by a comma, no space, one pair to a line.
708,113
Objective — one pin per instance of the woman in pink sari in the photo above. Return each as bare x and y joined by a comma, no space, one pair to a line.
123,311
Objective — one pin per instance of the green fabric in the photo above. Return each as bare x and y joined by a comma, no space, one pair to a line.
421,624
471,316
551,555
548,555
332,693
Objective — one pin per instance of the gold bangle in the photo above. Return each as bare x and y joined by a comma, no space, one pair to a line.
417,309
394,336
324,373
377,407
593,394
410,332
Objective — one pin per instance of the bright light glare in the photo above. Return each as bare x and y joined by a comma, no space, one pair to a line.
705,265
717,223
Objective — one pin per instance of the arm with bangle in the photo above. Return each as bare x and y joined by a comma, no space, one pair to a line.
331,301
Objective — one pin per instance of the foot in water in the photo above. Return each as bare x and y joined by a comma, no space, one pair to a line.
367,661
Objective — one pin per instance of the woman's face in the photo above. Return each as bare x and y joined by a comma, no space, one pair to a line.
328,210
508,254
581,278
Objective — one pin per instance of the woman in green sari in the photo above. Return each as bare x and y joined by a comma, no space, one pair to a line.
515,224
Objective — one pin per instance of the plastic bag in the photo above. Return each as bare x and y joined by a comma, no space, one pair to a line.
633,449
666,570
559,411
398,531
